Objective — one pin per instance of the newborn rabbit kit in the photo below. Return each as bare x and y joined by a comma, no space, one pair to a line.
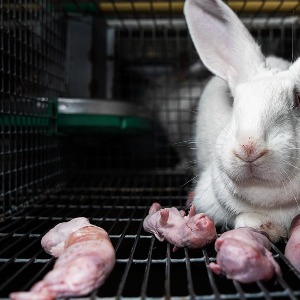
153,121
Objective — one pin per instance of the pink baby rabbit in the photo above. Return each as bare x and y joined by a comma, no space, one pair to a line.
292,249
247,128
244,255
170,224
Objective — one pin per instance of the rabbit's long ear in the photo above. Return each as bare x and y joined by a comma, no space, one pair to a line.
224,44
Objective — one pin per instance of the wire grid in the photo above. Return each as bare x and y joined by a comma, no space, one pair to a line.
153,62
145,268
31,72
152,69
158,67
154,9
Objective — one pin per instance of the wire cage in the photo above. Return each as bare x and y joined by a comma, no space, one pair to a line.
138,53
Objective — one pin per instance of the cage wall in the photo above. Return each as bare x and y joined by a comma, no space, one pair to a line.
149,60
32,76
146,58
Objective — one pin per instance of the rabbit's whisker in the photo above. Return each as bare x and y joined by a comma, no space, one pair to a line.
292,165
190,180
185,142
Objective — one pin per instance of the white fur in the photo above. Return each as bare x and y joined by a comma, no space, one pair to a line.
247,128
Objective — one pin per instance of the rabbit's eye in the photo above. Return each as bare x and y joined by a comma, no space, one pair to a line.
296,99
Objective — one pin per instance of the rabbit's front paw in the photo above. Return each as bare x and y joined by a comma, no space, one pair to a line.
261,222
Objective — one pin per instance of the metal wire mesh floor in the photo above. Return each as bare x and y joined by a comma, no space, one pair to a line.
145,268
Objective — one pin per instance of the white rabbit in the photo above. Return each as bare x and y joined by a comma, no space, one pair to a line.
248,126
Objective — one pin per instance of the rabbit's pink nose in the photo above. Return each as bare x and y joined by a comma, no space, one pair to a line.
249,151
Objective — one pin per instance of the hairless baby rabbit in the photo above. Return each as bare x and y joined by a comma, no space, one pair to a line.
292,249
170,224
243,255
85,259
